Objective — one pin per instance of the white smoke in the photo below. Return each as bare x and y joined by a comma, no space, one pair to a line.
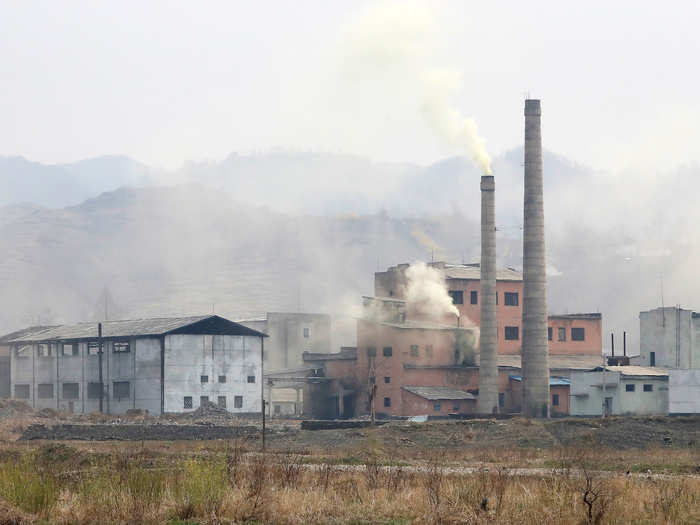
426,292
399,36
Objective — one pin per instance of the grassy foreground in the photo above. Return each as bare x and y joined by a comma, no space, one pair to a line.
227,484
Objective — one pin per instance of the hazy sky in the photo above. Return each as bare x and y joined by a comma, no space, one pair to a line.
164,82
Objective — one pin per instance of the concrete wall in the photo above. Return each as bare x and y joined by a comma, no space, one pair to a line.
414,405
287,341
592,331
188,357
637,402
684,391
672,334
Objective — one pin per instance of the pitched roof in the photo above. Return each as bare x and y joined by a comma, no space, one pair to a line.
346,353
437,393
24,332
472,271
202,324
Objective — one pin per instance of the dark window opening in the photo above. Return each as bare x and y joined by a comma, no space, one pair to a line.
429,350
221,401
187,402
93,348
512,333
555,400
578,334
238,402
386,351
71,391
93,391
70,349
501,399
629,388
414,350
306,333
120,347
561,334
549,333
45,391
222,379
387,402
371,351
496,297
474,297
203,400
437,406
121,390
455,408
652,358
387,379
278,410
203,379
457,296
22,391
648,388
510,298
44,350
251,379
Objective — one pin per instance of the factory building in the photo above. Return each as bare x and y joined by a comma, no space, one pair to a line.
619,390
160,365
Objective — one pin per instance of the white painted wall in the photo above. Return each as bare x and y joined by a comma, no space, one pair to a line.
188,357
672,334
587,394
684,391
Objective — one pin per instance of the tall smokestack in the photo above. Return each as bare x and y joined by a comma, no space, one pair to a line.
487,402
535,358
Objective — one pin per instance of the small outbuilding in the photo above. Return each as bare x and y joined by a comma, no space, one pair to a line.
436,401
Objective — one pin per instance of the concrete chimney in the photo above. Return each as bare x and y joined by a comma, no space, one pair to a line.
535,352
487,402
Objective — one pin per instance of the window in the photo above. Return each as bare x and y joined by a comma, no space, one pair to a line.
306,333
45,391
372,380
187,402
44,350
555,400
429,350
496,294
121,390
501,399
387,379
437,406
93,348
455,408
561,334
71,391
457,296
203,400
23,351
237,402
386,351
371,351
387,402
648,388
549,333
94,391
70,349
512,333
278,410
120,347
578,334
474,297
652,358
203,379
251,379
221,401
629,388
510,298
22,391
414,350
222,379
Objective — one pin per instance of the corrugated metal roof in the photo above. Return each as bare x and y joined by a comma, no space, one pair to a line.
553,381
472,271
437,393
632,370
25,332
127,328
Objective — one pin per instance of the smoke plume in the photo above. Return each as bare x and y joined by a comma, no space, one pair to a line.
399,37
426,292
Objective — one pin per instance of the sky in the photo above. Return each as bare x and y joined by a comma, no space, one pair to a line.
166,82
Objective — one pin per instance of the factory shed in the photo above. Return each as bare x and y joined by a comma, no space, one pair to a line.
619,390
436,401
160,364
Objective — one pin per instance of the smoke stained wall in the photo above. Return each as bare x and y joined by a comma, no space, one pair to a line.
487,401
535,358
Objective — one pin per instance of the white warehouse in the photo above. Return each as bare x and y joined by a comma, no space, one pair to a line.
160,365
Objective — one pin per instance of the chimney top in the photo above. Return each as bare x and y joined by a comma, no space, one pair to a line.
532,107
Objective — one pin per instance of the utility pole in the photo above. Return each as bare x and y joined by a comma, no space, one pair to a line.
99,362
